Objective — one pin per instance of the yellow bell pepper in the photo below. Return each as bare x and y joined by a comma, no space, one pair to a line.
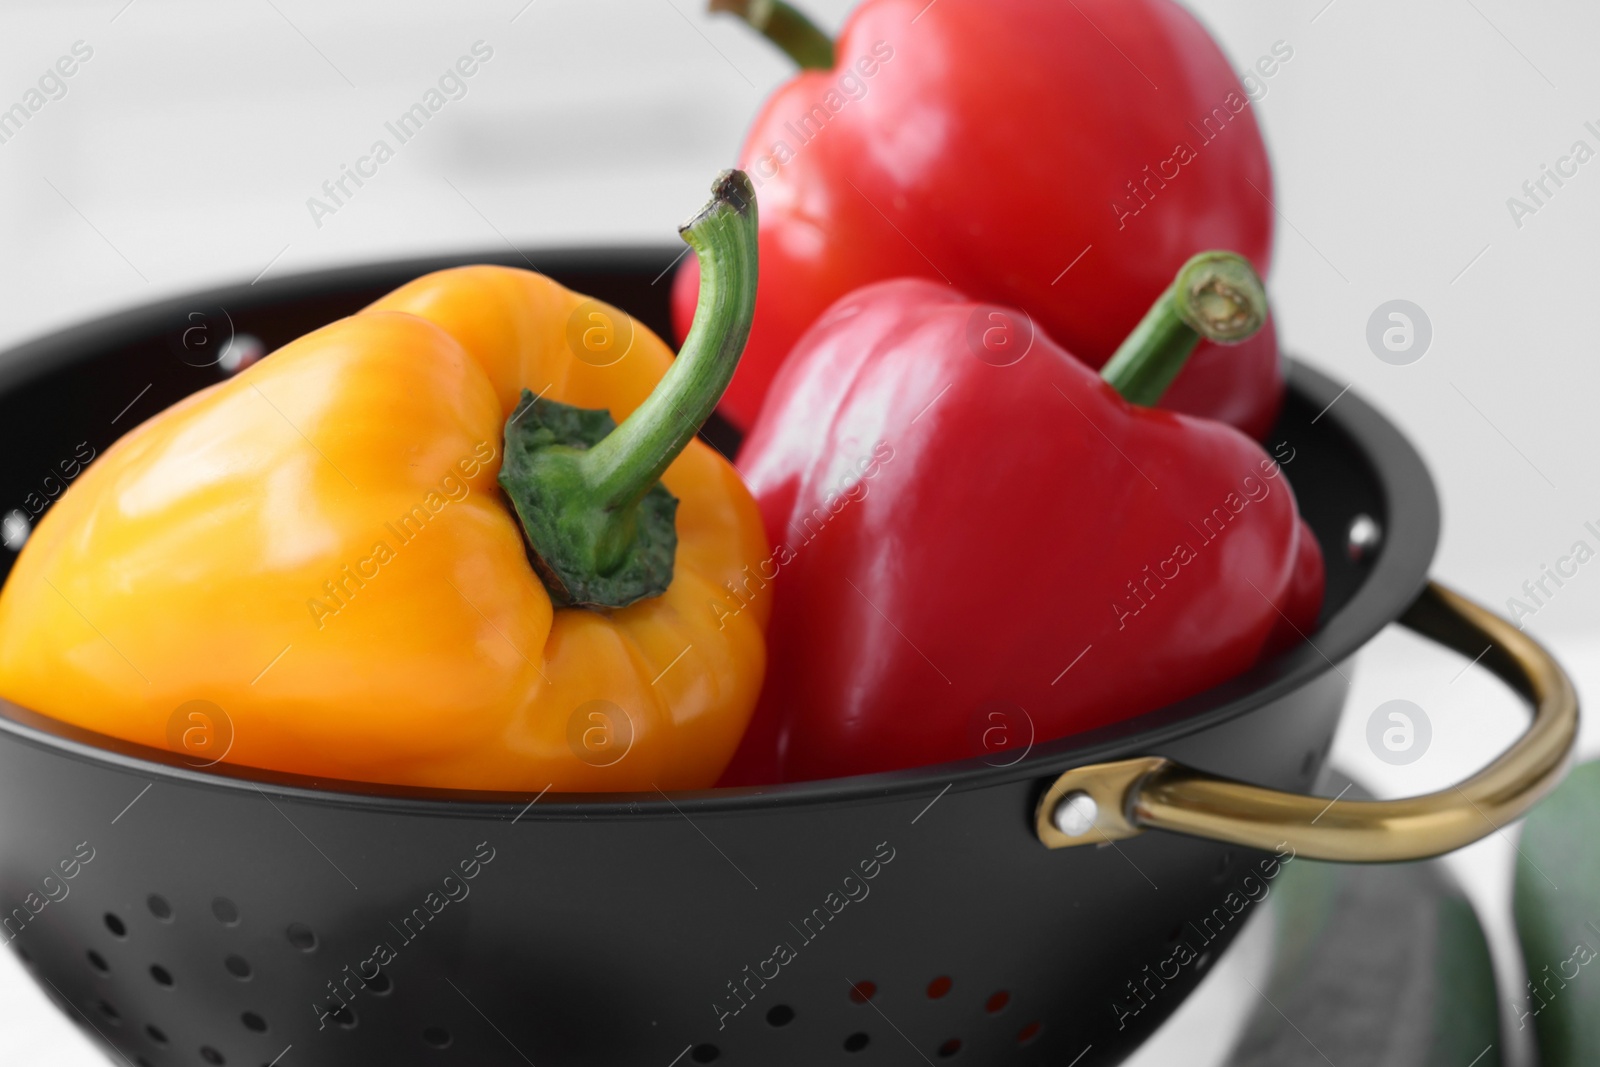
319,548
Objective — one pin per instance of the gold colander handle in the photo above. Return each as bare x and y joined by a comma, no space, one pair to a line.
1110,801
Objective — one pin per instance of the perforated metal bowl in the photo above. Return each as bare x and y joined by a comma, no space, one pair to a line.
244,917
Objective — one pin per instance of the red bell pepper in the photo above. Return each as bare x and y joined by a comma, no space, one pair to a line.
960,522
1128,146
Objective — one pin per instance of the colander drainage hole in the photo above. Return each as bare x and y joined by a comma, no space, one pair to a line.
861,992
159,907
162,976
156,1034
109,1012
237,966
379,984
997,1002
211,1055
252,1021
302,937
436,1037
342,1014
780,1015
950,1048
226,911
706,1053
939,987
117,927
98,962
1027,1033
856,1042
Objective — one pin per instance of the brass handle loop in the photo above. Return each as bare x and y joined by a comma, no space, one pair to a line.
1109,801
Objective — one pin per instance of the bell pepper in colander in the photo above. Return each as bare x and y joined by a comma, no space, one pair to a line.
979,544
1128,144
319,548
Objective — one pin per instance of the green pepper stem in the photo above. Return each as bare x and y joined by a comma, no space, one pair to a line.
1216,295
632,458
786,27
601,528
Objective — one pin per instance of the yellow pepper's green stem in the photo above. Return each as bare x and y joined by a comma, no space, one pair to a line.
600,525
786,27
723,236
1216,295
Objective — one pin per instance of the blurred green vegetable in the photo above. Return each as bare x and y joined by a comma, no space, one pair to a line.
1558,920
1374,965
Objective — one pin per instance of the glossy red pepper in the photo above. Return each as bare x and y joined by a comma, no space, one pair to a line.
958,532
1127,143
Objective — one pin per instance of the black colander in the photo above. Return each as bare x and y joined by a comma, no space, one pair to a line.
248,917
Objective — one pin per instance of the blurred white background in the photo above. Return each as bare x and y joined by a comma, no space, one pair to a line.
185,148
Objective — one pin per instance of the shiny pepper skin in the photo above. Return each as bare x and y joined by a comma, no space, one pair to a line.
954,535
1062,158
318,547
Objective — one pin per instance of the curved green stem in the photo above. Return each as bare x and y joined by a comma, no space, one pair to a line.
786,27
1216,295
723,236
600,525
